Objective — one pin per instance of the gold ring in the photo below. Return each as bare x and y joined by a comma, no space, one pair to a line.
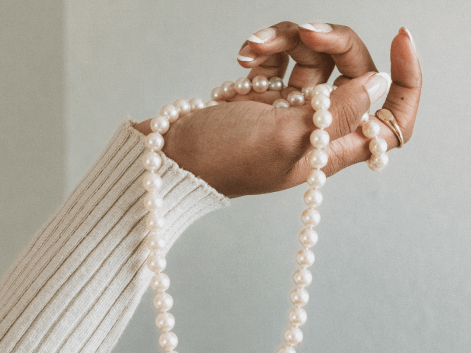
388,118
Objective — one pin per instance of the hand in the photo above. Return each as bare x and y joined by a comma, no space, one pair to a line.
249,147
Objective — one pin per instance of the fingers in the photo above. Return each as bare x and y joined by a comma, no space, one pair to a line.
345,47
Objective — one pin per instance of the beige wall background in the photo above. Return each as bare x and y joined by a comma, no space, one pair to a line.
393,261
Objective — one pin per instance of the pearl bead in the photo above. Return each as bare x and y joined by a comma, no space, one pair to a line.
165,321
299,297
183,106
329,86
151,182
320,101
318,158
281,103
154,141
160,124
154,221
170,111
313,198
216,94
286,349
211,103
378,146
293,336
275,84
308,93
168,341
160,282
163,302
156,263
260,84
243,85
153,202
377,163
151,161
228,90
305,257
155,242
302,277
295,98
365,118
308,237
319,138
321,89
371,128
297,316
310,217
322,118
196,103
316,178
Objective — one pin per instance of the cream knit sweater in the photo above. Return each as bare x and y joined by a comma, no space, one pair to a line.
78,282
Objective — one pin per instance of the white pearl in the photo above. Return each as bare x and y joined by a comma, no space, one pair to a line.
305,257
365,118
165,321
322,118
297,316
295,98
378,146
275,84
160,282
376,163
196,104
308,93
155,242
151,182
154,221
170,111
183,106
228,89
320,101
311,217
154,141
320,138
243,85
308,237
302,277
316,178
168,341
293,336
321,89
211,103
153,202
216,94
160,124
163,302
313,198
151,160
156,263
318,158
281,103
286,349
299,297
371,128
260,84
329,86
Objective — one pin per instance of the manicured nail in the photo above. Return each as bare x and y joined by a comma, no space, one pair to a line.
246,54
378,85
318,27
411,39
262,36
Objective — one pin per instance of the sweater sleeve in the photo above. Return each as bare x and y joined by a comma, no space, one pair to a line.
79,280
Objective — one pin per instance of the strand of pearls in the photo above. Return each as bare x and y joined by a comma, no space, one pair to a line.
319,96
377,145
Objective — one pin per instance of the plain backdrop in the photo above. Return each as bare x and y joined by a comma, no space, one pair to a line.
393,263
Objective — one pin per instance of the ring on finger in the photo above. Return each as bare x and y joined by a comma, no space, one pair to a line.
388,118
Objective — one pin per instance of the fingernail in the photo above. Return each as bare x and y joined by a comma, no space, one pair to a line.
411,39
246,54
378,85
318,27
263,35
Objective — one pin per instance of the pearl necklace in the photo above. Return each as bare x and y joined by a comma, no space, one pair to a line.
318,158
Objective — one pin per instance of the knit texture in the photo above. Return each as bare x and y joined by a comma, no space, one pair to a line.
77,283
